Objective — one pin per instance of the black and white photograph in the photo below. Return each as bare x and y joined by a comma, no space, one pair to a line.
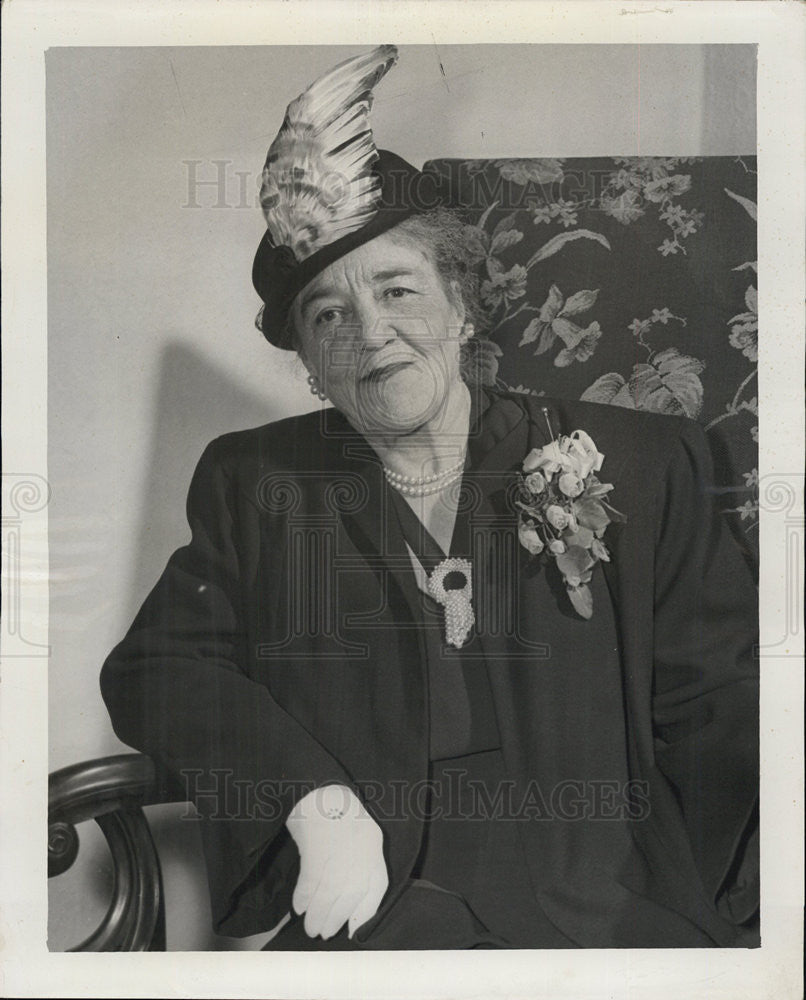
401,504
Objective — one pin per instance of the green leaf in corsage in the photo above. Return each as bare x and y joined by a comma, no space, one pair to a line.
562,515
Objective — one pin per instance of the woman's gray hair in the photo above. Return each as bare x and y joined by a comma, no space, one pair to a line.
441,234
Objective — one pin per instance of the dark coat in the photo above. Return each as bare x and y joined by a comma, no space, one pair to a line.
280,650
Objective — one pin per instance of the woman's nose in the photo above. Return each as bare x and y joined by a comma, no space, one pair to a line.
376,324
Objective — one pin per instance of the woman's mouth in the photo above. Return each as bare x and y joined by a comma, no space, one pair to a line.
384,371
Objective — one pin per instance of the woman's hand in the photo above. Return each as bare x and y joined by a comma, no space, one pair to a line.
342,869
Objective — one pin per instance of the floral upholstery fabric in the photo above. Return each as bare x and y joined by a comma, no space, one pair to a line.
627,281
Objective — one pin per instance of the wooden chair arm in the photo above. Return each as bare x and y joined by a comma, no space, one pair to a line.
113,791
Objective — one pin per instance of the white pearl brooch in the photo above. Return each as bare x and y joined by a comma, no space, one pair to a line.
459,617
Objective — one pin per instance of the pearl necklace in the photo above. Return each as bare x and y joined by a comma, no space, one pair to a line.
421,486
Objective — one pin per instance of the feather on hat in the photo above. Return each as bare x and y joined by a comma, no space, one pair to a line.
317,182
325,187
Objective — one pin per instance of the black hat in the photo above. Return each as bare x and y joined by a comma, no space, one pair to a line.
277,274
326,189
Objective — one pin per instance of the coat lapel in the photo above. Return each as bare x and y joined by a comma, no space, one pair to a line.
502,440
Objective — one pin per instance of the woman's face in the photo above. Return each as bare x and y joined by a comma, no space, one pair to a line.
382,335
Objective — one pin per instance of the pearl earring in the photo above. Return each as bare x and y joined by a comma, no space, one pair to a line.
316,389
467,331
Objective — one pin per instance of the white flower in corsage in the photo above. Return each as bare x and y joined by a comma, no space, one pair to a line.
562,511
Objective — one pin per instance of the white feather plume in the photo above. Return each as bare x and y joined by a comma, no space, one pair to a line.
317,184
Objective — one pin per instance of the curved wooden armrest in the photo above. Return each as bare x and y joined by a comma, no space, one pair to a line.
112,791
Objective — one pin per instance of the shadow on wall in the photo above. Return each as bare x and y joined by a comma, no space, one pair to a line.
196,401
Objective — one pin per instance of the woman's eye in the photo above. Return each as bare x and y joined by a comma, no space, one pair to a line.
328,316
398,292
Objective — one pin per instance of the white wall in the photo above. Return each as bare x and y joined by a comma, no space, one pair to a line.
152,348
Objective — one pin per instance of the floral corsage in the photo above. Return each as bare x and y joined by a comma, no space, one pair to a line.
562,511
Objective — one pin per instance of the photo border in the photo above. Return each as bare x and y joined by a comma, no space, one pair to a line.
778,28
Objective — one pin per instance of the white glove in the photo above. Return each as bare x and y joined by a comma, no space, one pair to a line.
342,873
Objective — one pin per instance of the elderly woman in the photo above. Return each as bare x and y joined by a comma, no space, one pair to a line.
426,687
